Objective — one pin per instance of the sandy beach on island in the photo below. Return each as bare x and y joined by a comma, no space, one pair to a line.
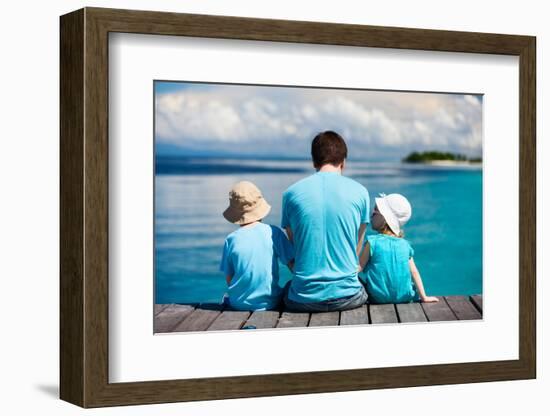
452,163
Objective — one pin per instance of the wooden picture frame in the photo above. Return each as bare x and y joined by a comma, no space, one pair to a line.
84,214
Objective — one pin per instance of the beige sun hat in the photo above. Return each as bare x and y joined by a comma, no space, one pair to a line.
395,209
246,204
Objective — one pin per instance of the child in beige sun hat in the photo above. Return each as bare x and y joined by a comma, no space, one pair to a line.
246,204
251,254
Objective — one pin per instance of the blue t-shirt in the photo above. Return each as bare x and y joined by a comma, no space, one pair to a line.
324,212
250,255
388,274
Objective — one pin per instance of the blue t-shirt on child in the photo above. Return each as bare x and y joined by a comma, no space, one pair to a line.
387,274
250,255
324,212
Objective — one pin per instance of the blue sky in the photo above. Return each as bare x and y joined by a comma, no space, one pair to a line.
247,120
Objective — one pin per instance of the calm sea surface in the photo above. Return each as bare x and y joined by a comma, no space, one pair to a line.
191,194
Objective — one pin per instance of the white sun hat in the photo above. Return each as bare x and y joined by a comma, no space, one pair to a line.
395,209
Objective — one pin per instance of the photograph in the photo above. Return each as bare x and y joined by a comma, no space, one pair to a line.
297,206
257,182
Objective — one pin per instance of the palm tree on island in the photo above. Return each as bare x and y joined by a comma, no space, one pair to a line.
435,157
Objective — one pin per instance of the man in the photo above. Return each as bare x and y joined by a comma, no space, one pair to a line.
325,215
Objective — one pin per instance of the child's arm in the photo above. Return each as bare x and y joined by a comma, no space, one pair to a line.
418,282
365,256
226,265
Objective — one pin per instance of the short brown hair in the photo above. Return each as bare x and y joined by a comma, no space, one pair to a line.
328,147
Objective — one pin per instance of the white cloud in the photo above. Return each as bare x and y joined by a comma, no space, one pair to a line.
224,114
473,101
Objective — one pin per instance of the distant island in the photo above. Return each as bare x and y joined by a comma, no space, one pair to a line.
435,157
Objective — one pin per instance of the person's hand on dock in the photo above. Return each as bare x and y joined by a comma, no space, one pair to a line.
429,299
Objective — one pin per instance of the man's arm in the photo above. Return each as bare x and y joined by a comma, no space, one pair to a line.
365,257
362,230
290,265
228,279
285,248
289,234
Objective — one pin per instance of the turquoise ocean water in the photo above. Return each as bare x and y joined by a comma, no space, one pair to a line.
191,194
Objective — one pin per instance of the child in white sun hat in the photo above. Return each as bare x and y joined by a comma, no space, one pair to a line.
251,254
387,258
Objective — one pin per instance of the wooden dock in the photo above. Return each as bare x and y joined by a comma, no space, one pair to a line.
212,317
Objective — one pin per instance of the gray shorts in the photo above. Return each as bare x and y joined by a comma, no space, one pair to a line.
339,304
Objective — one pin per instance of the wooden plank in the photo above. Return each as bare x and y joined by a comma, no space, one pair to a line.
383,314
438,311
171,316
325,319
358,316
159,307
200,319
477,300
463,308
229,320
293,319
410,312
262,319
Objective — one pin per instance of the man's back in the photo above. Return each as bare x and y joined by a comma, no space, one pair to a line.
324,212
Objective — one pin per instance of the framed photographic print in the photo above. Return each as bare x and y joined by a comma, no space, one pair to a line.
254,207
